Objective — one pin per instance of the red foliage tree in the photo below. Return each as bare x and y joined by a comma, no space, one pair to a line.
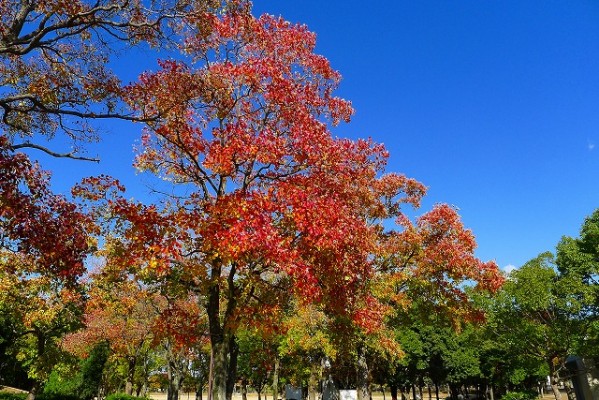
44,240
269,194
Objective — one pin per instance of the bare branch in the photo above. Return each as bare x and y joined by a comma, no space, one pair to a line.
46,150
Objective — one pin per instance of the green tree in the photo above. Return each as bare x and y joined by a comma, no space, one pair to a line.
92,370
540,314
578,260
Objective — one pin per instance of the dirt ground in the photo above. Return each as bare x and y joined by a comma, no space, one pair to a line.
254,396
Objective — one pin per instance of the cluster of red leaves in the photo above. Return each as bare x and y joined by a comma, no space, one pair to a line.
48,229
433,259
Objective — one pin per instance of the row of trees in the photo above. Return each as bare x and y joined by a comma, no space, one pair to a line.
276,238
136,338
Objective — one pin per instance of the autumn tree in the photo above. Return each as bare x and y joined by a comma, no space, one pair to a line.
272,194
44,240
266,194
122,314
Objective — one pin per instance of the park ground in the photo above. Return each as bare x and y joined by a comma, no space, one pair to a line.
254,396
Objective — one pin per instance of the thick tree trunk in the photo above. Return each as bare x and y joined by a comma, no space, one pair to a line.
222,338
363,378
220,358
175,371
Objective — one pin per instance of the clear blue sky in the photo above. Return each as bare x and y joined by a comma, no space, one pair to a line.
494,105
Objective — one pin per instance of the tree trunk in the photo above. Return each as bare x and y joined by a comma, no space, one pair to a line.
363,381
569,390
174,383
174,370
313,381
130,376
232,369
210,376
244,389
437,390
555,381
393,390
275,379
33,392
220,355
222,337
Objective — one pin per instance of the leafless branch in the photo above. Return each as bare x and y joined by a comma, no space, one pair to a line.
46,150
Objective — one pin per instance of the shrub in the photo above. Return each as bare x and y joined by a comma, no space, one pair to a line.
524,395
12,396
123,396
57,396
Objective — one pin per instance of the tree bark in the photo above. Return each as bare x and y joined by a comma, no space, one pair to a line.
555,381
363,378
569,390
232,369
175,378
130,375
220,354
222,337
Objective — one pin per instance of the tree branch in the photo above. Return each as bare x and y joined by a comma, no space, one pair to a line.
46,150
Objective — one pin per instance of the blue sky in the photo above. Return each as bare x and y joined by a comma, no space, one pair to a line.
494,105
